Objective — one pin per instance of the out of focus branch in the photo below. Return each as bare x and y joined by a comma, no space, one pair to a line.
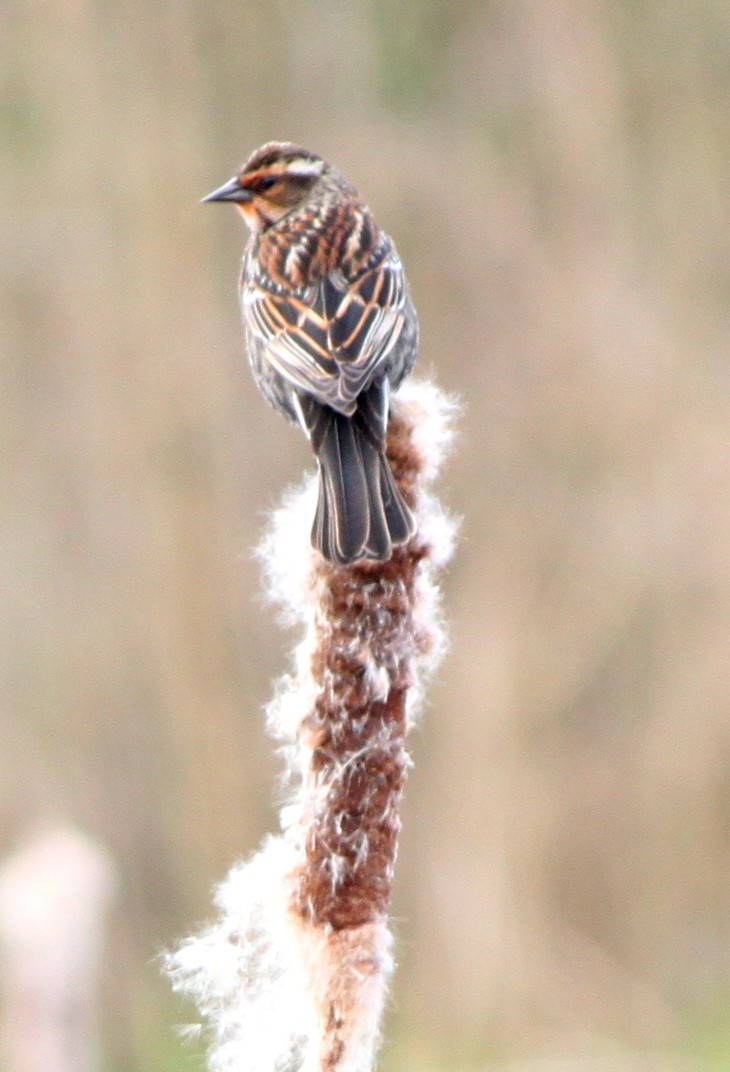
54,897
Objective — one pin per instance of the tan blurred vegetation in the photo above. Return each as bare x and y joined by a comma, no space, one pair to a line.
557,176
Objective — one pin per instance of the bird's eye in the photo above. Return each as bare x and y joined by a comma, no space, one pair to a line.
267,182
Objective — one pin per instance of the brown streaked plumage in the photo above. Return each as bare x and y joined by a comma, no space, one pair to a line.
330,329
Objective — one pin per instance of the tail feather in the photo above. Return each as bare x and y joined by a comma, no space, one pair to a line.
371,414
399,519
345,490
378,543
321,524
360,512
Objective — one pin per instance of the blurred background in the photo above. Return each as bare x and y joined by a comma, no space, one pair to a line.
556,174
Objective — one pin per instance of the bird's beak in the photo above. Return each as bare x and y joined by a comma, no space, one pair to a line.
230,191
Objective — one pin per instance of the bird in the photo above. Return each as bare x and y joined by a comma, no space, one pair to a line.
331,330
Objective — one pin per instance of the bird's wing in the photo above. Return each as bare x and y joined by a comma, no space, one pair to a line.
329,339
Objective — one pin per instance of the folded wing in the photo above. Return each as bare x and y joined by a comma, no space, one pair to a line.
332,338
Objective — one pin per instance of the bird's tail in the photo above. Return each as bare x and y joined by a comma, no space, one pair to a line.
360,511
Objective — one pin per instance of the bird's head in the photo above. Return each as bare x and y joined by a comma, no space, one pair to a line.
277,179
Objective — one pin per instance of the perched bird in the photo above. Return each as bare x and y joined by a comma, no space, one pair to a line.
330,330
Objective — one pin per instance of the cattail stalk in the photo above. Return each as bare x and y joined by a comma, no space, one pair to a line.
293,974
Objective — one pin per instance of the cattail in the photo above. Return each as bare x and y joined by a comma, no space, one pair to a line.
293,973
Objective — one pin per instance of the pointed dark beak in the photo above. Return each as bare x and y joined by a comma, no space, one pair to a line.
230,191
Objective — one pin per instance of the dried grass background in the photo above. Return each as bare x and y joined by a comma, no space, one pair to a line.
556,174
